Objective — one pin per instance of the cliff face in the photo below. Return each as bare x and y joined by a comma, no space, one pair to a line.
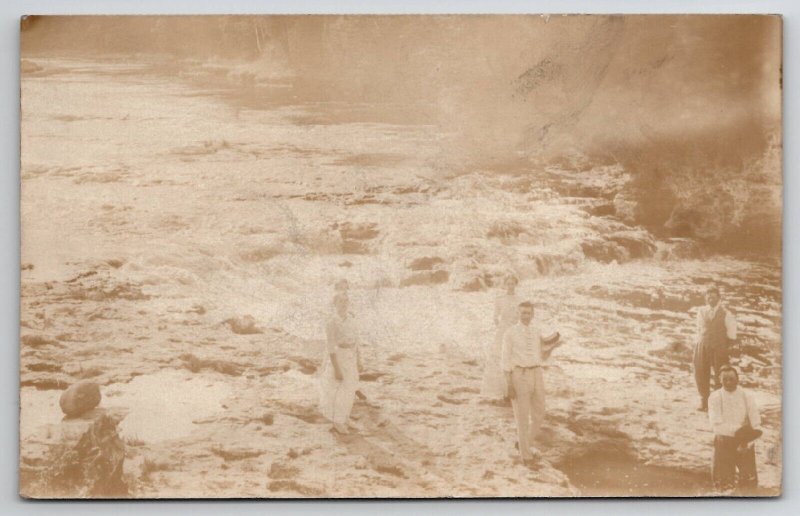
689,106
690,112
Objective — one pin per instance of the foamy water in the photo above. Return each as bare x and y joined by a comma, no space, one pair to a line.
202,201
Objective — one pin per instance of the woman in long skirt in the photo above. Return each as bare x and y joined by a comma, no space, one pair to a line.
339,376
505,315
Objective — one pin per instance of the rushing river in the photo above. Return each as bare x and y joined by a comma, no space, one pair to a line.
259,211
191,195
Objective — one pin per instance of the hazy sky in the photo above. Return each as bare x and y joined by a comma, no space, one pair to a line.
503,83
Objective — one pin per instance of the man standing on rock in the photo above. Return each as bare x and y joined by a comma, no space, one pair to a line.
734,417
526,345
716,330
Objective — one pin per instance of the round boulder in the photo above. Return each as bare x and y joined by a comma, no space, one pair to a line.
80,398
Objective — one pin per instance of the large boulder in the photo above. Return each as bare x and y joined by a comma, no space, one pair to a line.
80,398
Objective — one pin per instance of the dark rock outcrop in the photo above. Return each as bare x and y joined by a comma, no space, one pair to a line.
638,244
425,263
37,341
245,325
92,467
196,364
619,246
355,237
426,278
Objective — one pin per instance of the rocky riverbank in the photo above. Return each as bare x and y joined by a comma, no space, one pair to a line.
189,275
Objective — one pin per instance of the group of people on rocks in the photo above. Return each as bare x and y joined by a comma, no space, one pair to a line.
732,410
513,371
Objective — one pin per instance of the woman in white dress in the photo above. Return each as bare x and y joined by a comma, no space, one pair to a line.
339,376
505,315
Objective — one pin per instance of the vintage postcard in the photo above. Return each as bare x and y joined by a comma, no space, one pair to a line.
400,256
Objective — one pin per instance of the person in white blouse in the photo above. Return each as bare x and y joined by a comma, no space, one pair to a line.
506,314
526,346
339,376
716,331
736,422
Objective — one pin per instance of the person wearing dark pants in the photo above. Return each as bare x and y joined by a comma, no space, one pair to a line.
730,459
735,420
716,330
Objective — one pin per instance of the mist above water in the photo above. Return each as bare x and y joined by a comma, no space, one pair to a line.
689,106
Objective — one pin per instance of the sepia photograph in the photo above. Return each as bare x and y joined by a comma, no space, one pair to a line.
400,256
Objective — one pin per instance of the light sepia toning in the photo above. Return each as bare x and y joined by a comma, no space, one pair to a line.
400,256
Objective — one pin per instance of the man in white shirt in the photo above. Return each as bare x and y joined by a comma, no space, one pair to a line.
526,345
716,330
734,417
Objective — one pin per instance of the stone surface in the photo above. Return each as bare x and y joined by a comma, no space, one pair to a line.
80,458
245,325
80,398
621,382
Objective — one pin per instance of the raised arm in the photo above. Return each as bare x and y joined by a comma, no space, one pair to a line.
551,339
